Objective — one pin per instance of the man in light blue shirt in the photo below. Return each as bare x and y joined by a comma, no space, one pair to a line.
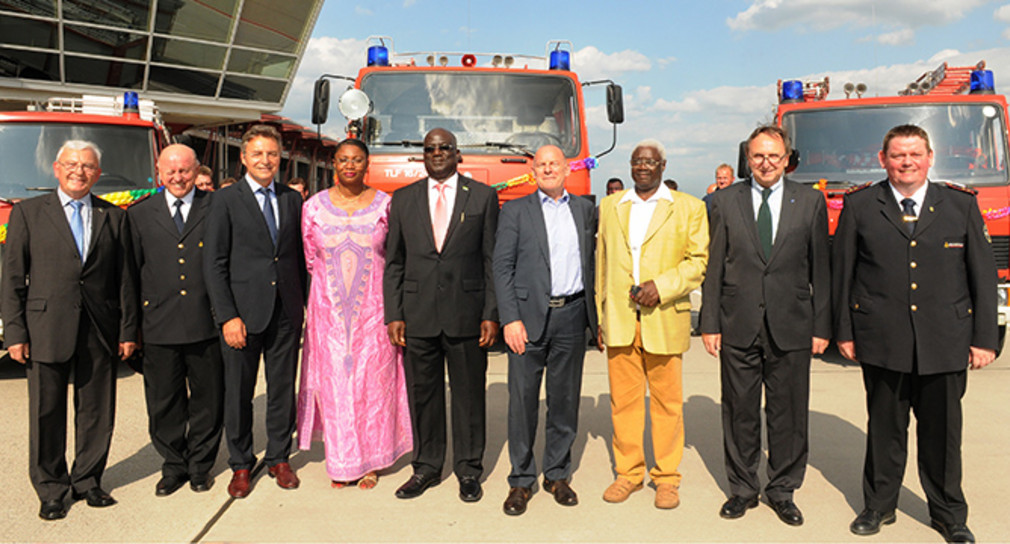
544,273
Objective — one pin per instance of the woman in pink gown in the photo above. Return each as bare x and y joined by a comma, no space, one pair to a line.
352,396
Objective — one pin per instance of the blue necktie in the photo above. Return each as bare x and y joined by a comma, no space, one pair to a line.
77,226
268,213
179,223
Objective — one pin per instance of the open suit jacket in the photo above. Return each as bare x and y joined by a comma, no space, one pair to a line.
673,256
522,265
792,287
173,295
449,292
244,271
45,312
948,260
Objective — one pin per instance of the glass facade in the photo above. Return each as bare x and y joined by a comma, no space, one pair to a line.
221,49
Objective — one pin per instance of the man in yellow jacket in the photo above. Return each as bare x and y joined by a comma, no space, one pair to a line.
652,251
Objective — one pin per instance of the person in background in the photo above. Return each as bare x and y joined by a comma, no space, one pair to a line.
298,184
227,182
352,394
671,184
614,185
723,179
205,179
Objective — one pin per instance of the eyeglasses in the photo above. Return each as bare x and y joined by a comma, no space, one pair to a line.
448,148
343,161
772,159
651,163
72,166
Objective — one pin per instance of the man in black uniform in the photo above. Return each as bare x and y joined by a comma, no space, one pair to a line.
914,283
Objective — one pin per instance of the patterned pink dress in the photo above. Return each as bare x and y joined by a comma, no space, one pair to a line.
352,396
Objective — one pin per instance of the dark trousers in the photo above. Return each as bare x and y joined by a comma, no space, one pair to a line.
936,401
424,365
785,376
561,351
94,371
184,389
278,345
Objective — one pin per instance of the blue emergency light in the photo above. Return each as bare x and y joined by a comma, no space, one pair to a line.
378,55
982,82
131,101
560,60
792,91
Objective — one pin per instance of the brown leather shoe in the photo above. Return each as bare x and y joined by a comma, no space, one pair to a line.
620,490
515,504
563,493
667,496
239,486
286,477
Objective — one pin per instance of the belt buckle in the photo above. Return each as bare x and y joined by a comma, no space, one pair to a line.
556,302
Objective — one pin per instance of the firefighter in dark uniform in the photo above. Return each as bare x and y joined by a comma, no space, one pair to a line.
914,288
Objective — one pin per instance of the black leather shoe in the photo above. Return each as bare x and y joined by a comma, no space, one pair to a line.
868,522
95,497
469,489
787,511
954,532
52,510
415,486
201,482
737,506
515,504
563,493
169,484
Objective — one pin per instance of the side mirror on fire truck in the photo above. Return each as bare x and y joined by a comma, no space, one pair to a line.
615,104
320,101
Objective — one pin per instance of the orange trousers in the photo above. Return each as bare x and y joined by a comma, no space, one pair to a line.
631,369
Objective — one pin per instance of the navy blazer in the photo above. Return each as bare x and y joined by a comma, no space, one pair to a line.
245,272
522,261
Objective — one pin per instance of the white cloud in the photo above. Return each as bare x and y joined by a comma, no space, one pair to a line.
324,56
1002,13
361,10
663,62
826,14
408,3
591,63
904,36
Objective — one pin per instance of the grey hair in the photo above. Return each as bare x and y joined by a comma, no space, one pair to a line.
80,145
654,144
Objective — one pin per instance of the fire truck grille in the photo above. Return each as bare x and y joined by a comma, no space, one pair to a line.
1001,250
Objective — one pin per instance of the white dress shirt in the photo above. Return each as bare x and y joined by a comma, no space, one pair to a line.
919,197
254,186
639,219
187,203
450,197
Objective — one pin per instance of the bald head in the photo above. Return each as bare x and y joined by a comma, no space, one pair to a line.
551,169
177,169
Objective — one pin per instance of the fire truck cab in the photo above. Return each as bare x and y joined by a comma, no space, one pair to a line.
501,112
837,142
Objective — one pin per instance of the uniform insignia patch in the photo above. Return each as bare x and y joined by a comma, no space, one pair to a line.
959,187
851,190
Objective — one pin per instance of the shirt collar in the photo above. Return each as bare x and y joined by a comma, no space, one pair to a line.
544,197
450,182
255,186
663,192
919,196
66,199
758,187
186,198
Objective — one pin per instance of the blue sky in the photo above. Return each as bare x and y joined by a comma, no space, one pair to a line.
698,76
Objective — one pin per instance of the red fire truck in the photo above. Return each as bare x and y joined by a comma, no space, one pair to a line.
837,142
500,112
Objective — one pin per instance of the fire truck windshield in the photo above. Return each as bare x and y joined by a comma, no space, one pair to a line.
27,152
840,145
489,112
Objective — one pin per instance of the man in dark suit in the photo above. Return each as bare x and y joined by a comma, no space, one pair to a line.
766,307
183,373
255,273
543,271
914,283
75,315
440,305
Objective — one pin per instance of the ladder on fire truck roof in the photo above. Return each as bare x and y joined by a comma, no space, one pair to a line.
945,80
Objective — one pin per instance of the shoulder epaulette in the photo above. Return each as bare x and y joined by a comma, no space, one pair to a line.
959,187
858,188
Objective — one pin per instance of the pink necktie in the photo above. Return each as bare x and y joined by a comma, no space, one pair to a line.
441,221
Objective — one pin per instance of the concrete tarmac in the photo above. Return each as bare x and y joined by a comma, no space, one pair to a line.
830,497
